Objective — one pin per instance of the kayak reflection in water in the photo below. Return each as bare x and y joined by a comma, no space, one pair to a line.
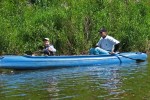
106,44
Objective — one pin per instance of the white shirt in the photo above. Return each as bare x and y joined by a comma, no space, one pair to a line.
107,43
51,47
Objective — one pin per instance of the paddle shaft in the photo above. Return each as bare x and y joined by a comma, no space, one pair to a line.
138,60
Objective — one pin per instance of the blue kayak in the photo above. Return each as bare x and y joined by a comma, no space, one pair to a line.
40,62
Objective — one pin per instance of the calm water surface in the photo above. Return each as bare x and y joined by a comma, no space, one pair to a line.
115,82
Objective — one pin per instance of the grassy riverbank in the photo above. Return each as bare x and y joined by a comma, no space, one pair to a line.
72,26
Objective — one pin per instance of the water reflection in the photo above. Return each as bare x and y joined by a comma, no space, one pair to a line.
94,82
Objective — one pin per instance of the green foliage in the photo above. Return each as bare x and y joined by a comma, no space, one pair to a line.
72,26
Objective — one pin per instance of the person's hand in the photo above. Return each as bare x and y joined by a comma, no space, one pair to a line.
50,49
112,52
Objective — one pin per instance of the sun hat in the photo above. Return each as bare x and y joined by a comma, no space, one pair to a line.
46,39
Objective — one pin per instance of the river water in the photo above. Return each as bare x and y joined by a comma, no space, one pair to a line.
114,82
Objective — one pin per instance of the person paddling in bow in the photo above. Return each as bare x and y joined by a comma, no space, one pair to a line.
106,44
48,48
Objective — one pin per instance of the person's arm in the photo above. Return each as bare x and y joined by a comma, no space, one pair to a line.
114,42
52,49
99,43
116,47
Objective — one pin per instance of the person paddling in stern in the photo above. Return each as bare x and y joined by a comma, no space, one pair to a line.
106,44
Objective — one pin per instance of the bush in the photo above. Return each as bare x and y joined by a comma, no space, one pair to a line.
72,26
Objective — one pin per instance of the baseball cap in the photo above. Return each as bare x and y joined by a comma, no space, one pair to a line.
102,30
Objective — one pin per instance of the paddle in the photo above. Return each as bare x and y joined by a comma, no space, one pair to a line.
33,53
40,48
137,60
28,52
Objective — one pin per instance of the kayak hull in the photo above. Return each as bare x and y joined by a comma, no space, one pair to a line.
40,62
